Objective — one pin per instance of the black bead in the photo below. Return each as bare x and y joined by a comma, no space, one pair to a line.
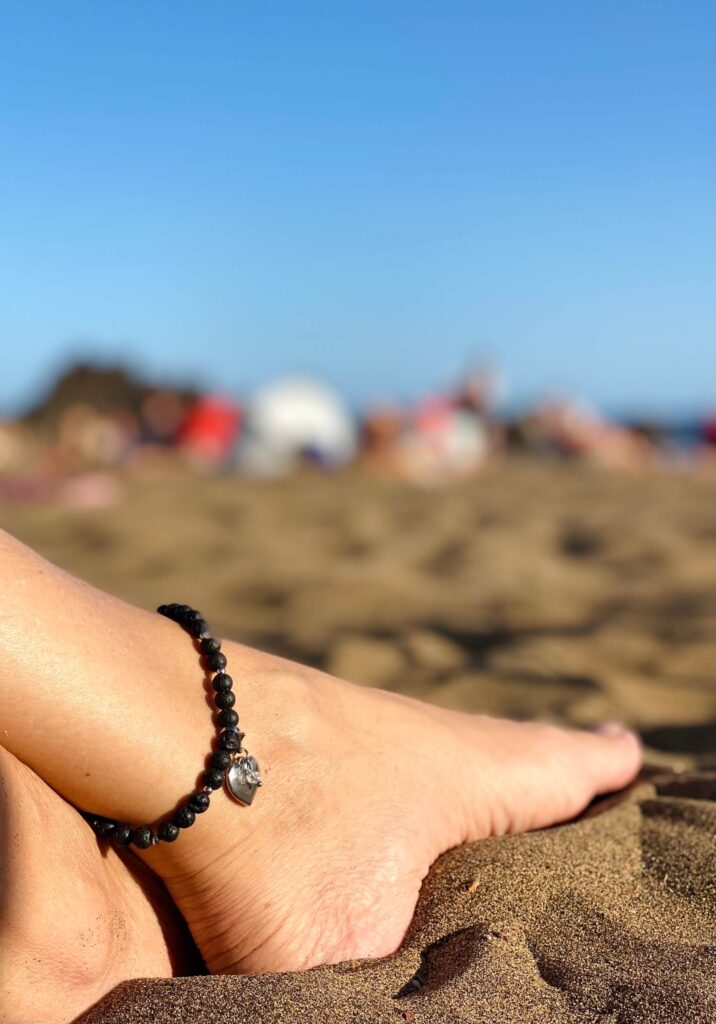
213,778
227,718
216,661
104,828
229,740
122,835
199,801
142,837
197,626
224,700
184,817
221,759
222,682
168,831
173,611
210,646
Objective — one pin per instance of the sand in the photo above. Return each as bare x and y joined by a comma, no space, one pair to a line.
537,591
610,919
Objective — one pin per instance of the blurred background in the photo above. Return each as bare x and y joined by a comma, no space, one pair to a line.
380,332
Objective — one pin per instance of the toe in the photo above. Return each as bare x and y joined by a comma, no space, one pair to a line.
531,775
610,757
572,766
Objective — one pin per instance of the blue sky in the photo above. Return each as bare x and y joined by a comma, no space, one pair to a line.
379,191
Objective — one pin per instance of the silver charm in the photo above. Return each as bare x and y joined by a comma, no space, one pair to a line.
243,778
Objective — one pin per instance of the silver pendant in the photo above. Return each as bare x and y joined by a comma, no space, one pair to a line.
243,778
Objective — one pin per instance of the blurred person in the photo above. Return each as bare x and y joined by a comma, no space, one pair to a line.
382,427
572,428
209,430
162,413
22,454
444,440
364,789
17,446
480,391
89,439
450,435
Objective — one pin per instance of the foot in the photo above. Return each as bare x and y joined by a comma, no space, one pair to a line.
76,920
363,790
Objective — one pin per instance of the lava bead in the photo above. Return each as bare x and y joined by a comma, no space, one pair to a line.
184,817
221,759
222,682
225,699
216,661
122,835
210,646
230,740
104,828
214,778
142,837
228,718
175,612
199,801
168,831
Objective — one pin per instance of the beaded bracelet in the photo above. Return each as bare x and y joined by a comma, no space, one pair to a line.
229,763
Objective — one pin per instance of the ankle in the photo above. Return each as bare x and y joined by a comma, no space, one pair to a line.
275,701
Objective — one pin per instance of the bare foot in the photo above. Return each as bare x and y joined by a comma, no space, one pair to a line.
75,920
363,790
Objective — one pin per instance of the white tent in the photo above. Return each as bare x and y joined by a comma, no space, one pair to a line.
291,419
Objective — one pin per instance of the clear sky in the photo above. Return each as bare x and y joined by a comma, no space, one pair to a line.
380,190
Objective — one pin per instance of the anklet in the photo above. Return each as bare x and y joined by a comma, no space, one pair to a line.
229,763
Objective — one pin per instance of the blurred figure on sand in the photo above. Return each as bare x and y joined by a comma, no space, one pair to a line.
441,437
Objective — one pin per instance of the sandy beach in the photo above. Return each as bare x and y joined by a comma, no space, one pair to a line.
546,591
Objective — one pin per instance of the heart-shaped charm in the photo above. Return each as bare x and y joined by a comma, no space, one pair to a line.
244,778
